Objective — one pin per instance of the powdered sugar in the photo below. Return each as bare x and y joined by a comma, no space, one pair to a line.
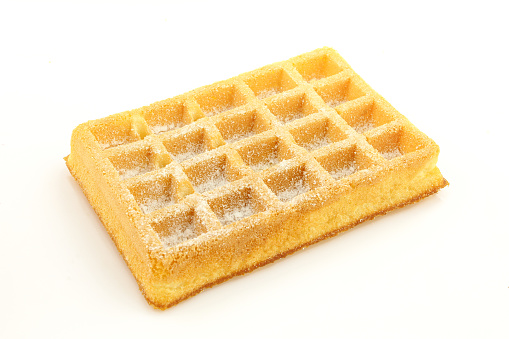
240,136
315,77
267,93
266,163
236,213
391,153
114,142
317,142
364,126
151,204
299,187
291,117
218,109
336,102
165,128
214,180
126,173
190,153
345,171
185,232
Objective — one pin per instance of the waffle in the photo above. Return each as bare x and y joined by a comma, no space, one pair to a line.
226,178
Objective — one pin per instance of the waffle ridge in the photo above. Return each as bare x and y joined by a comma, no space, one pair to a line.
228,177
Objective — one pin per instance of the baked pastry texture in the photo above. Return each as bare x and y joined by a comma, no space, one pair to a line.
226,178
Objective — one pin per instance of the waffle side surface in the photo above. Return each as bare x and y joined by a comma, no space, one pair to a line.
213,183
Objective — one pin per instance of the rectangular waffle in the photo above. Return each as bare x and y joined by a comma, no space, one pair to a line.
226,178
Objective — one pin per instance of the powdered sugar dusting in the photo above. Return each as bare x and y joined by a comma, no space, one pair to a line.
126,173
191,152
165,128
240,136
317,142
345,171
114,142
151,204
185,232
364,126
266,163
285,164
299,187
391,154
219,109
267,93
289,118
336,102
216,179
315,77
236,213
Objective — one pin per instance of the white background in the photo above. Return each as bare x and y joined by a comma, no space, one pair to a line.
437,269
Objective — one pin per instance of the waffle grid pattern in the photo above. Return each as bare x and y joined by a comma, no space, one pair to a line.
272,138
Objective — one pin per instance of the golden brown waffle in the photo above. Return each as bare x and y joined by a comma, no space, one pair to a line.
229,177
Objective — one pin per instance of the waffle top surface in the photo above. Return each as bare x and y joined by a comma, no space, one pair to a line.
281,139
